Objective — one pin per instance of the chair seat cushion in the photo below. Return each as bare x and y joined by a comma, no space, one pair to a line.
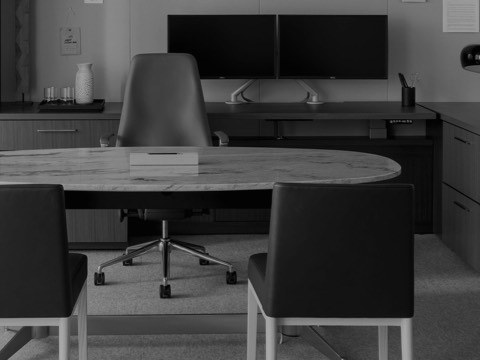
78,273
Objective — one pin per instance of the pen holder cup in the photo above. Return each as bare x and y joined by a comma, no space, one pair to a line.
408,96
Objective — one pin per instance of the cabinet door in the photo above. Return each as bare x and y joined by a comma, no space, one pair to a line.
84,226
461,225
51,134
461,160
95,226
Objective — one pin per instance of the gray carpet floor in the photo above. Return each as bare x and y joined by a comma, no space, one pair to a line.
446,323
195,289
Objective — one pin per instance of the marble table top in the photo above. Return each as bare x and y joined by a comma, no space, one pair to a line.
219,169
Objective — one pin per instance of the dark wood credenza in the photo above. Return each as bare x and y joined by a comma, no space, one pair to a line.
27,128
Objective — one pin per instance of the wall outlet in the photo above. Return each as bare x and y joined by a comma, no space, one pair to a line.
93,1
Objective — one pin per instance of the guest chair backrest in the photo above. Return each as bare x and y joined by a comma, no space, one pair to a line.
341,251
34,266
163,104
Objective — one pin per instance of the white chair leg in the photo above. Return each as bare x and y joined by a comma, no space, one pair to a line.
82,324
383,342
251,324
407,339
64,338
271,339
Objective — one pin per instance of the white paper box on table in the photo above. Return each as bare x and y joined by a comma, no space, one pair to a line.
157,171
163,158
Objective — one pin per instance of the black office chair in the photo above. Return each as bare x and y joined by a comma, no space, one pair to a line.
40,281
164,106
338,255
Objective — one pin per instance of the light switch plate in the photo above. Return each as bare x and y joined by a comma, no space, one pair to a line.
93,1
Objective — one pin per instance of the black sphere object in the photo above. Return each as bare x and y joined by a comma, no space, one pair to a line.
470,58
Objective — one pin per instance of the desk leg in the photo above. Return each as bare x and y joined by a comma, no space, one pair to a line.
319,343
277,131
23,336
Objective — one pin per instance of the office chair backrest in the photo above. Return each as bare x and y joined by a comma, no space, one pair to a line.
341,251
163,103
34,267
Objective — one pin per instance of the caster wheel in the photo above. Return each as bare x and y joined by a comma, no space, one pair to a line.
165,292
231,277
203,261
99,278
128,262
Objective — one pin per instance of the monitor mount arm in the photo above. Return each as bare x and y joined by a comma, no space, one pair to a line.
234,95
312,95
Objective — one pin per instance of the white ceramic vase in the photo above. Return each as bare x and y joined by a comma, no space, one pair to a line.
84,84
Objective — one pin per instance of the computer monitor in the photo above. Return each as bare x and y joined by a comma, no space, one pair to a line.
226,46
333,46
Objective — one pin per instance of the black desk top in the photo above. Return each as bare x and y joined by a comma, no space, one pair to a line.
12,111
463,114
365,110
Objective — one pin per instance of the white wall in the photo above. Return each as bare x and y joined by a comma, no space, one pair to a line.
119,29
417,44
105,41
7,53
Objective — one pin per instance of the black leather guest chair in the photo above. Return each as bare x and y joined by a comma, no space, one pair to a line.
40,281
164,106
338,255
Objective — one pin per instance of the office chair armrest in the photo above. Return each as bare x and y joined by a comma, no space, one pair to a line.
222,138
105,140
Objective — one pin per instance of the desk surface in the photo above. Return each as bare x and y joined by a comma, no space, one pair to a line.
352,110
462,114
220,169
357,110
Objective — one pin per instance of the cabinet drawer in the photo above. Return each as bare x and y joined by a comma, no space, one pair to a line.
51,134
461,160
461,226
84,226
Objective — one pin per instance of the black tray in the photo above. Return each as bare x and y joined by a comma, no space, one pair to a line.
59,106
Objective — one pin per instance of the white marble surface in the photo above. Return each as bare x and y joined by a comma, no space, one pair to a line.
219,169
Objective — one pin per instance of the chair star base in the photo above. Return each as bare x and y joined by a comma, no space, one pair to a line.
165,245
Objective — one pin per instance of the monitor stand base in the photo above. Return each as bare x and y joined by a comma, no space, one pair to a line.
234,96
312,95
235,102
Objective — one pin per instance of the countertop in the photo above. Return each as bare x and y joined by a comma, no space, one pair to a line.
356,110
219,169
463,114
14,111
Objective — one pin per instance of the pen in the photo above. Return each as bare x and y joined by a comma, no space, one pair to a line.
402,80
414,78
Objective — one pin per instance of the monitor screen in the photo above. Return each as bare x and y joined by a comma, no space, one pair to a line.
333,46
226,46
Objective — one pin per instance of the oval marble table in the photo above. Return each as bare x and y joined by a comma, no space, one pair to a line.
226,177
103,177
